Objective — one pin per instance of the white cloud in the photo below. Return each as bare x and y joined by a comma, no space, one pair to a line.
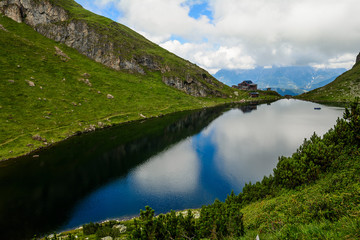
244,33
343,61
163,18
210,58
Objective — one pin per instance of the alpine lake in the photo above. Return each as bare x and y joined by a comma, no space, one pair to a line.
174,162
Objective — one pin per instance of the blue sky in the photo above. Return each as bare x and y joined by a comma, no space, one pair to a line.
243,34
199,9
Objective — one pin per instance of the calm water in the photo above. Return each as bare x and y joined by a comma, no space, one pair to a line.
179,161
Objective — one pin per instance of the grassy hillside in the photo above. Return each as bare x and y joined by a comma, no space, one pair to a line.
343,89
112,44
48,95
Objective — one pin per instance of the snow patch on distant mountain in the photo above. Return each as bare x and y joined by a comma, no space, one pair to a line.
295,78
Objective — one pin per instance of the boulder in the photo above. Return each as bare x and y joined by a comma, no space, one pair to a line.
107,238
2,28
61,54
37,137
86,81
31,83
122,228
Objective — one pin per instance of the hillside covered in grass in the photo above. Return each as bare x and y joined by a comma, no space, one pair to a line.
344,88
50,91
110,43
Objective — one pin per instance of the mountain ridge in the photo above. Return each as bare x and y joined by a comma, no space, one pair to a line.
110,43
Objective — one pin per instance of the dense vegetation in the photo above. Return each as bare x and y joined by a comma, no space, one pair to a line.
46,98
314,194
343,89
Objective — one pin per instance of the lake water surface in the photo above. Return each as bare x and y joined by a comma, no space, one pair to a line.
179,161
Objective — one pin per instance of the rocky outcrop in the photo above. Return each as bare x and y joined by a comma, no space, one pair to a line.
192,87
56,23
357,58
32,12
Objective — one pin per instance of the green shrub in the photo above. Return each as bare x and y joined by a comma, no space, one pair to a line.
107,231
90,228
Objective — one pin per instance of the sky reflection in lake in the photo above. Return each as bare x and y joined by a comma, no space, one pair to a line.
241,145
248,145
175,170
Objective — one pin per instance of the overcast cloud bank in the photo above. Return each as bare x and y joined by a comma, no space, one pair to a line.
242,34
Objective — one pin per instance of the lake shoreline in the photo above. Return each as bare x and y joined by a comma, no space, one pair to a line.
140,118
121,221
164,163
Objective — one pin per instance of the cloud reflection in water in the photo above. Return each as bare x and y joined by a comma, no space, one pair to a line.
248,145
175,170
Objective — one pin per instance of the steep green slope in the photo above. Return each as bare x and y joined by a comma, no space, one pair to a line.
49,94
111,44
345,88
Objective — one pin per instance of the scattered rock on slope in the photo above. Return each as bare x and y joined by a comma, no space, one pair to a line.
31,83
61,54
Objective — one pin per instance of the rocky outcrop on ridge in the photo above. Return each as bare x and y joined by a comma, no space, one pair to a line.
54,22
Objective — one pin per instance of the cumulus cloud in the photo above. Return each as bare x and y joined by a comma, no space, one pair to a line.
245,33
210,57
163,18
290,32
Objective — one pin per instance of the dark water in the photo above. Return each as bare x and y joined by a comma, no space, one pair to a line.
179,161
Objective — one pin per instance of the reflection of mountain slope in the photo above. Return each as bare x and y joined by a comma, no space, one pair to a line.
247,108
38,193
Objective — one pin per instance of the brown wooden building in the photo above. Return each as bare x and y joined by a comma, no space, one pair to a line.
246,85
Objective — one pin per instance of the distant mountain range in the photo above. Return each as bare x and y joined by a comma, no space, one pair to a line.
345,88
292,80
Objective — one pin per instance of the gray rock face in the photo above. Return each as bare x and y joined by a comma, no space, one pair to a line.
357,58
55,23
32,12
190,87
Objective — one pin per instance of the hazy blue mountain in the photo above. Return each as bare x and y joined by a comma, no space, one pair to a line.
293,78
291,92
